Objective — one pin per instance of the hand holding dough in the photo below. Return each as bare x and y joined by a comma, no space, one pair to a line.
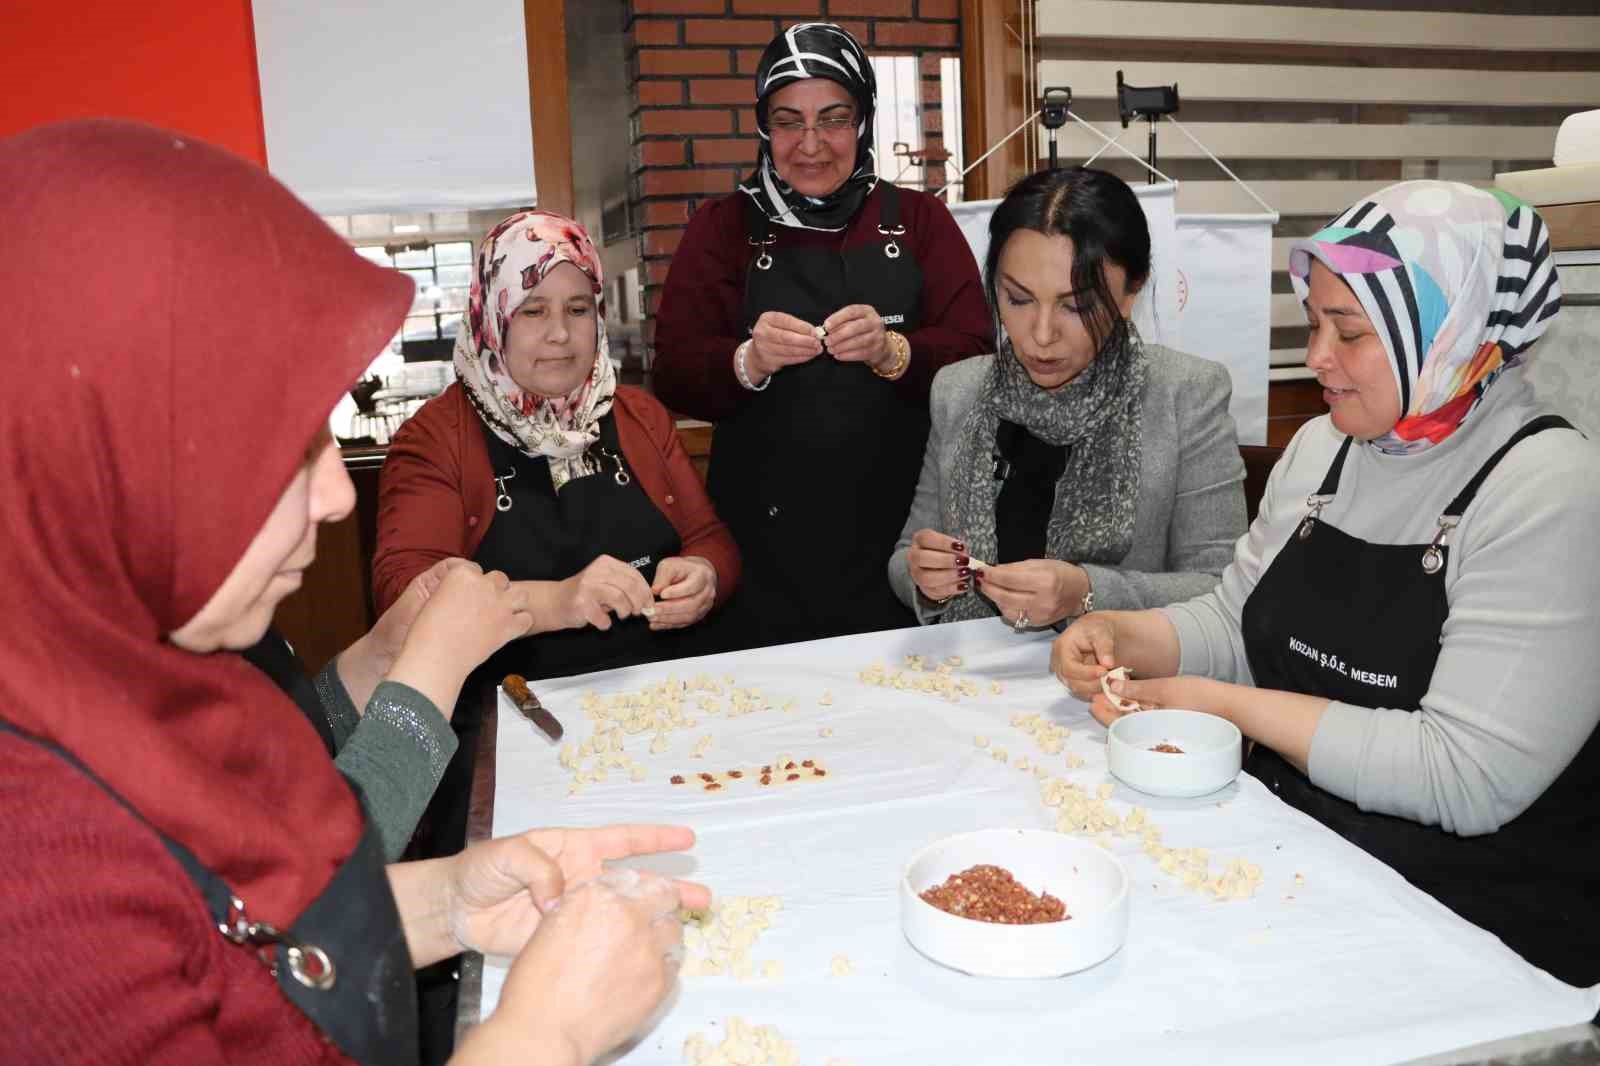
1126,706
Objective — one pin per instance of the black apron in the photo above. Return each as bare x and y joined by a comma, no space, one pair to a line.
274,656
815,473
344,962
1337,617
541,535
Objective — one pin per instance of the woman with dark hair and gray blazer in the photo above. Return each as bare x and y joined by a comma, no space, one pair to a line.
1078,468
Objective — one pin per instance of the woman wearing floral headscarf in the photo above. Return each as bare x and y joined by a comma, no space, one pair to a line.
536,462
806,314
1416,605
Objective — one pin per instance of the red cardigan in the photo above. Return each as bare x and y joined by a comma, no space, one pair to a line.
108,956
701,318
436,492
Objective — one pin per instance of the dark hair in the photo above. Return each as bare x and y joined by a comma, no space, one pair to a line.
1102,218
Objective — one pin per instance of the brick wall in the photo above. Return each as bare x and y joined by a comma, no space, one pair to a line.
692,73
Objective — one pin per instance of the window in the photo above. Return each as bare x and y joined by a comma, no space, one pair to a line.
443,276
917,129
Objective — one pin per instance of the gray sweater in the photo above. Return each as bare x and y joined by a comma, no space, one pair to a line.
1191,496
1516,689
396,751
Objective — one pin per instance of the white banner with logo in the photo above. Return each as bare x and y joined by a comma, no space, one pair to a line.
1224,287
1209,293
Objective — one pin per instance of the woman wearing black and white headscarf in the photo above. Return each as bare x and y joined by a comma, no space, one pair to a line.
806,314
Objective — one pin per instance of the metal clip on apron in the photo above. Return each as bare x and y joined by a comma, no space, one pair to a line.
1338,617
344,962
539,534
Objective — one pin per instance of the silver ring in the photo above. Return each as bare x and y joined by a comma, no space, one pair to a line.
1021,623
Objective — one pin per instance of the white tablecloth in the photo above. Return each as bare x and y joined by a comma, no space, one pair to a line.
1356,967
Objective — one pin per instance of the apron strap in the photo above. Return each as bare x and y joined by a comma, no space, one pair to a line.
1459,505
757,225
1330,481
274,656
758,229
889,219
218,896
889,208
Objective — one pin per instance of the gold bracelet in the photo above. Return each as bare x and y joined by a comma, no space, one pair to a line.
902,356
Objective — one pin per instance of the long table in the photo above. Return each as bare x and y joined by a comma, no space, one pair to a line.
1335,959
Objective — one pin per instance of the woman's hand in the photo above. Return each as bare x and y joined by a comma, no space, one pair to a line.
685,588
779,340
1041,592
499,890
601,963
856,335
468,616
389,635
1185,692
605,587
1082,655
364,663
939,565
1149,695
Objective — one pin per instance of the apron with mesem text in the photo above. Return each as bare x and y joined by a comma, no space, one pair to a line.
815,473
1338,617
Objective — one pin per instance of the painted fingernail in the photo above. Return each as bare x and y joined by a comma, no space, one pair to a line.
963,587
962,560
964,572
958,546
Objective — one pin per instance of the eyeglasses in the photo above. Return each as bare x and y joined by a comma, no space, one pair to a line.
826,127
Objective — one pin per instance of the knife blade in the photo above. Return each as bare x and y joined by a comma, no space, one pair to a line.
516,689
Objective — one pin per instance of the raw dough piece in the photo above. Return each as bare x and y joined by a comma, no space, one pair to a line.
1124,705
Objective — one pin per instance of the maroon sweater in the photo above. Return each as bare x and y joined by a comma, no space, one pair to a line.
108,956
701,319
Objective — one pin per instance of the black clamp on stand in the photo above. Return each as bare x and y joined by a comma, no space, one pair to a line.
1149,104
1053,108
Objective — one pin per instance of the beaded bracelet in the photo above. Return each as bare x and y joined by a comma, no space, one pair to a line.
743,374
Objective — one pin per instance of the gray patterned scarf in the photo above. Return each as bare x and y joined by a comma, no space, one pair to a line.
1097,416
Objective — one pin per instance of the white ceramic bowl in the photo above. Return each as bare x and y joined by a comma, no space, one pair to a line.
1087,878
1212,752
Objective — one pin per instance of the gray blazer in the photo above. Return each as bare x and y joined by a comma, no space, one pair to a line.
1191,484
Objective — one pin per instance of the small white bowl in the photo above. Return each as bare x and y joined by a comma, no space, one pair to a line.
1085,877
1212,752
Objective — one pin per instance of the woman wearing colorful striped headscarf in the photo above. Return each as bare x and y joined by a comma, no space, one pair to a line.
1408,631
806,314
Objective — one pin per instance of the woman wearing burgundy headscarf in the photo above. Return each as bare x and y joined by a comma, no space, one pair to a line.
187,878
806,315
